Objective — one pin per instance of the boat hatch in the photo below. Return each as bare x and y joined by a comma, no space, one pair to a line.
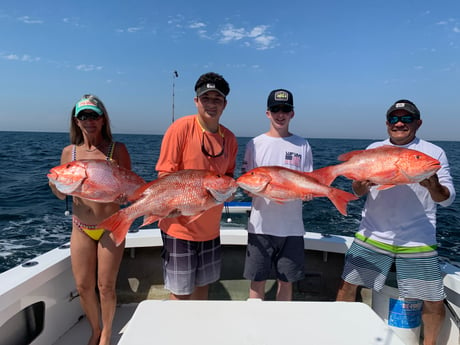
25,326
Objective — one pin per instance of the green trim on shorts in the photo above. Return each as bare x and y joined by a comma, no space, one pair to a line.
396,249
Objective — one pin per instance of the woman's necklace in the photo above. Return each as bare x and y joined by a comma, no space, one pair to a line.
96,147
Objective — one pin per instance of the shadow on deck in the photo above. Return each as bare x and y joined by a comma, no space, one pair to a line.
141,277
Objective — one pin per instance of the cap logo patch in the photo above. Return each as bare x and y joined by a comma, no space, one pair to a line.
400,105
281,96
85,102
210,86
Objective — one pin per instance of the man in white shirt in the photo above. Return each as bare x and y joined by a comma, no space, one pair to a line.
398,227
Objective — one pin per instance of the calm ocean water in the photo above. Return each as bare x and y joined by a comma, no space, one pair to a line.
32,219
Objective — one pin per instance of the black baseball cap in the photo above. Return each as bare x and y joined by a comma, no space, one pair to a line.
206,87
280,97
211,81
404,104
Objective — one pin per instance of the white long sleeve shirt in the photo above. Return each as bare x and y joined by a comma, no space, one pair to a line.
405,215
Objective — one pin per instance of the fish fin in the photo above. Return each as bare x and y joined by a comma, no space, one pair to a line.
325,175
340,199
140,191
280,201
150,219
385,186
119,224
346,156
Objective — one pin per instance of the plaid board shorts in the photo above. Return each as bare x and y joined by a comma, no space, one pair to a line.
188,264
283,254
418,274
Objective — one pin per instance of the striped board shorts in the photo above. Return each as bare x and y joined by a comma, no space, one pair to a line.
188,264
418,273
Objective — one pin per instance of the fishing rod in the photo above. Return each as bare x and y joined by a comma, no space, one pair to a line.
175,75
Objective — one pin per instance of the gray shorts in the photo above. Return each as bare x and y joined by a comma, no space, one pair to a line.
270,256
188,264
418,274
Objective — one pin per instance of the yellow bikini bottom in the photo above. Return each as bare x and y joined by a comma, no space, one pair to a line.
90,230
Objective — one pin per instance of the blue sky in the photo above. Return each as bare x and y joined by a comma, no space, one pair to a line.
346,62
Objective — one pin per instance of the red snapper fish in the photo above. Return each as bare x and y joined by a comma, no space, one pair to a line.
385,166
183,193
97,180
282,184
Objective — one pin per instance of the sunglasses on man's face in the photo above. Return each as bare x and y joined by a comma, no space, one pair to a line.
82,116
404,119
282,108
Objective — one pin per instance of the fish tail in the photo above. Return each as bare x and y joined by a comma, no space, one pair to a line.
325,175
340,199
119,224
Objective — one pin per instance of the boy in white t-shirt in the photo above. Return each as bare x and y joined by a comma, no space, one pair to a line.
275,231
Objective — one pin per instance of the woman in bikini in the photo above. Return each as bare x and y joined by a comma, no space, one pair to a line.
94,256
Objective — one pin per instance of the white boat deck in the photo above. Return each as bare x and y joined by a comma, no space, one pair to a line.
80,333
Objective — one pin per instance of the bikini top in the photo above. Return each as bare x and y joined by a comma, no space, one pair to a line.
109,152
